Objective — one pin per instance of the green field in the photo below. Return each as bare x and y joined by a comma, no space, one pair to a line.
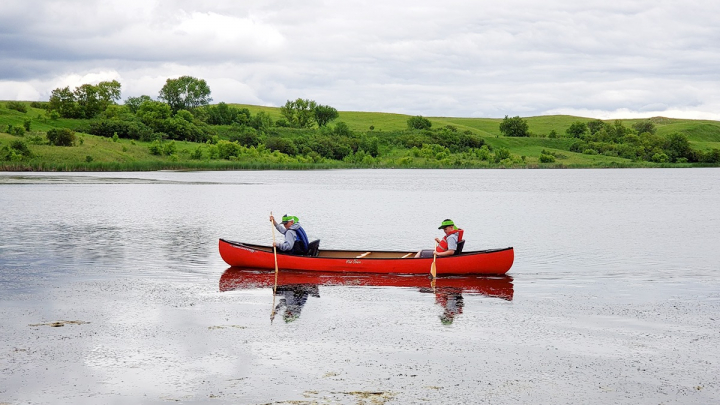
389,131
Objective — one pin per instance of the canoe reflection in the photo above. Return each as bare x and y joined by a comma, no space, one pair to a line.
294,287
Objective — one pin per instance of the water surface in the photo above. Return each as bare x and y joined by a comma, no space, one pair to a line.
613,297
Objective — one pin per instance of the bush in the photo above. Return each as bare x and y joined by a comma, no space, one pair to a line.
644,126
17,150
418,122
17,106
169,148
578,146
124,129
226,149
61,137
155,148
546,157
712,157
502,154
197,154
342,129
483,153
39,104
17,131
21,148
514,126
283,145
577,129
660,158
246,136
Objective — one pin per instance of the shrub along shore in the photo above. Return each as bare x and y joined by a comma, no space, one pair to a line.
144,134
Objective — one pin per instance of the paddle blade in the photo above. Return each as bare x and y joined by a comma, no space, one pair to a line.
433,270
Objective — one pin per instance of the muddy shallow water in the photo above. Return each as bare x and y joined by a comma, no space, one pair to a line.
113,291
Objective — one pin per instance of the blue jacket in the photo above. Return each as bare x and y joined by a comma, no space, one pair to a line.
296,240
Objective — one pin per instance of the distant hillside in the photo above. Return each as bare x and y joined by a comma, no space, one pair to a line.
261,137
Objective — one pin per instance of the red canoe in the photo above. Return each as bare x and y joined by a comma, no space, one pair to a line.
494,261
493,286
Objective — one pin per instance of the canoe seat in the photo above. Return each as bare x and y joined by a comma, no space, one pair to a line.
363,255
459,247
313,248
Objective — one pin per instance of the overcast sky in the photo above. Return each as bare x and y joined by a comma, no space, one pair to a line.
591,58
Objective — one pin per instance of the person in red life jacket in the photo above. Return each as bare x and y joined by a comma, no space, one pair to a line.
448,244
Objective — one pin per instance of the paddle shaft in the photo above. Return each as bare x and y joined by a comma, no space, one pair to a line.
272,313
274,253
433,269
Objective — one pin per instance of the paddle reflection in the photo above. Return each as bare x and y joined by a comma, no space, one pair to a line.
294,287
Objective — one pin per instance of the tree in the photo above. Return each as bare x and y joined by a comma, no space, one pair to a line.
87,100
577,129
185,93
133,103
108,93
153,114
594,126
514,126
299,113
63,101
221,114
261,121
677,146
342,129
324,114
418,122
644,126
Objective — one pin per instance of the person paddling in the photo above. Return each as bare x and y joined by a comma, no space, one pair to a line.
448,244
296,240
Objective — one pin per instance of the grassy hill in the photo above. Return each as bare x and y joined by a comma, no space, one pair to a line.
91,152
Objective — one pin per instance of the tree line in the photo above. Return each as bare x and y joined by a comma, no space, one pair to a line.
182,112
638,142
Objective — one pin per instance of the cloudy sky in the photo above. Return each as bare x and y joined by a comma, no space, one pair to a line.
592,58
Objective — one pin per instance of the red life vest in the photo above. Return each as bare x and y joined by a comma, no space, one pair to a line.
443,245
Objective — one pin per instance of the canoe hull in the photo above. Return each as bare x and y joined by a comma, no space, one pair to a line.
496,261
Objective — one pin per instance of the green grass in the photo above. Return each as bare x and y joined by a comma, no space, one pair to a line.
98,153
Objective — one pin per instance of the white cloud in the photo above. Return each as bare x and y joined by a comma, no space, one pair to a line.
436,59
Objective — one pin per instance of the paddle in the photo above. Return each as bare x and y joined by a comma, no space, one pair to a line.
272,314
433,270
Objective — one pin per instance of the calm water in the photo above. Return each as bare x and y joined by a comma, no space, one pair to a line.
613,298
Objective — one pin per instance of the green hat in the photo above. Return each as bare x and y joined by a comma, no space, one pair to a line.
287,218
445,223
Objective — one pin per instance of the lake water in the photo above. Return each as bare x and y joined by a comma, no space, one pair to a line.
614,296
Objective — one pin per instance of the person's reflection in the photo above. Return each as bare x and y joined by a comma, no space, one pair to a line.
451,300
293,298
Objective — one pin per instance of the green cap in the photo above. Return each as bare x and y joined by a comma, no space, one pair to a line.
288,218
445,223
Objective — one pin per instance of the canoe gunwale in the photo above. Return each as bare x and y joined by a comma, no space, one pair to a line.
351,254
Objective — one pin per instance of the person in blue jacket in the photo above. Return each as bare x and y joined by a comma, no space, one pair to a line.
296,240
